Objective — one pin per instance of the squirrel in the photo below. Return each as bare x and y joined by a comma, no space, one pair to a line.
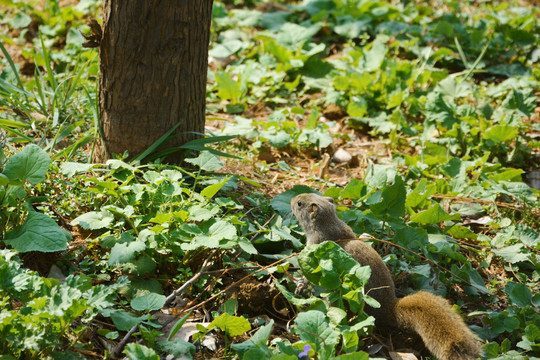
442,330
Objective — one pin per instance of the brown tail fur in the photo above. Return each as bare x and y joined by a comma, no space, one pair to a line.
444,333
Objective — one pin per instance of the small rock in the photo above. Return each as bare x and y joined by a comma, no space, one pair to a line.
402,356
342,156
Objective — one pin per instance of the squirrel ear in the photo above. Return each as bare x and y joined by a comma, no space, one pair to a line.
313,210
331,200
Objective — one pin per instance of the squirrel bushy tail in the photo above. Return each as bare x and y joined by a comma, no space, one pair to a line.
443,331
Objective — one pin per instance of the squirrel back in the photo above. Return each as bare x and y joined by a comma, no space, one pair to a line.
444,333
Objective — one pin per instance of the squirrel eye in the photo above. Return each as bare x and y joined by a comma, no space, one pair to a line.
299,203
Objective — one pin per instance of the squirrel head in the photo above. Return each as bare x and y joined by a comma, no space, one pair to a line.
308,207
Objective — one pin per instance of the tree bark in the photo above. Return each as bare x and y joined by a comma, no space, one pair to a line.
153,66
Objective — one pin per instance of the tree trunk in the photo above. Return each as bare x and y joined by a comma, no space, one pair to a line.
153,64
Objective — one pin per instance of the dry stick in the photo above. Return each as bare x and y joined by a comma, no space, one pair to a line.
120,347
535,212
419,255
236,283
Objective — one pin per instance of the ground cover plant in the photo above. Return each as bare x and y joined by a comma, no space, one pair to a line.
421,120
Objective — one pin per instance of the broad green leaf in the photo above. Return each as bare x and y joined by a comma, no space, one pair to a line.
70,169
461,232
324,264
508,175
20,20
232,325
206,161
512,254
178,348
445,28
313,326
518,101
358,355
375,56
277,139
38,233
274,20
355,189
247,246
125,321
150,301
454,87
4,180
218,231
421,192
30,164
352,29
226,49
500,133
294,36
357,108
228,89
519,294
125,252
260,338
140,352
282,202
434,215
94,220
392,201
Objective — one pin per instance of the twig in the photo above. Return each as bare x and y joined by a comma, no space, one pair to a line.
115,354
236,283
534,212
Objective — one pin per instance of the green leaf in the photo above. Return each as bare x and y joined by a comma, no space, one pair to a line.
226,49
140,352
38,233
228,89
282,202
178,325
375,56
324,264
206,161
357,108
69,169
434,215
500,133
20,20
392,201
125,321
508,175
461,232
94,220
4,180
277,139
259,339
218,231
445,28
209,191
29,164
150,301
313,326
519,294
125,252
517,101
421,192
178,348
512,254
351,29
232,325
294,36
